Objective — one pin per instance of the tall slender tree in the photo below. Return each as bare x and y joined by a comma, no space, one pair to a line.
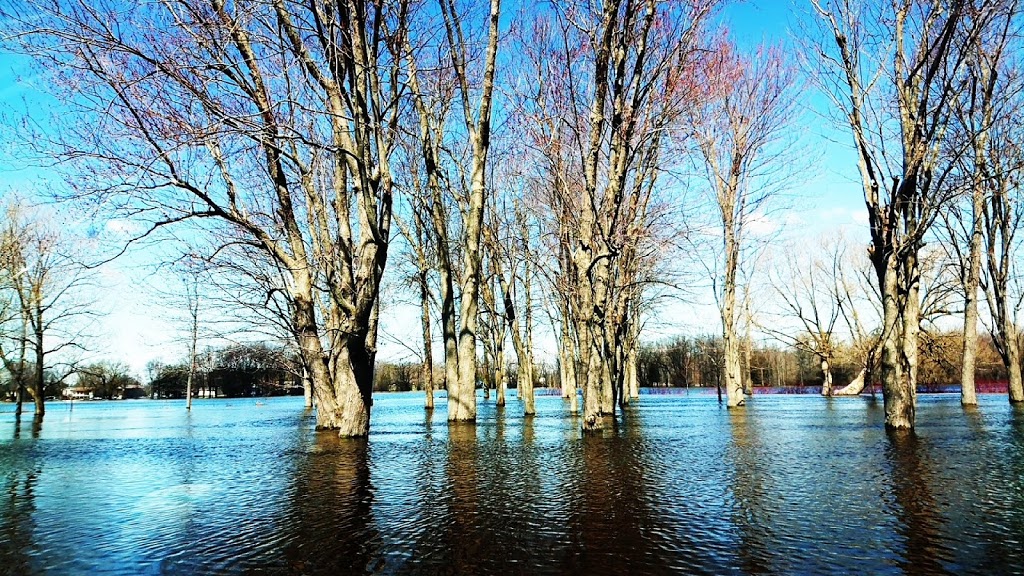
740,139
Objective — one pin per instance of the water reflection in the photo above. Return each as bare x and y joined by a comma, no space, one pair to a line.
787,485
18,525
332,502
616,507
920,523
37,425
464,541
750,485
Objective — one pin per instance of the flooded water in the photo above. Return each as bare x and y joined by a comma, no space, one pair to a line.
790,484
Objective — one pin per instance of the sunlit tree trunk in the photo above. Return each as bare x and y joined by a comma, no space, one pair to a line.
462,399
971,281
567,361
730,340
826,373
500,373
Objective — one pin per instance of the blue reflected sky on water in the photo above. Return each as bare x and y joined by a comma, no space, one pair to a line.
786,485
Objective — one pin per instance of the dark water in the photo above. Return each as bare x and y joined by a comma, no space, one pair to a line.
788,485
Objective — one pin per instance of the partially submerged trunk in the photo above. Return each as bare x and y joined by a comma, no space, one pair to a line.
462,399
427,369
826,382
1012,360
567,365
971,280
500,374
37,389
900,327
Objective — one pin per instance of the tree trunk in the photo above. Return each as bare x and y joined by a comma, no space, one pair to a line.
21,364
529,402
192,352
898,336
590,359
826,372
748,384
610,371
427,370
499,372
567,363
462,405
1015,389
462,400
632,376
970,284
486,380
730,341
307,389
38,383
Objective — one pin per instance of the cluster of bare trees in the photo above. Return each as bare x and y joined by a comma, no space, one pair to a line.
531,164
928,92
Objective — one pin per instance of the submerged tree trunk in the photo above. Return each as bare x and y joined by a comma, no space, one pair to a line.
1015,389
898,366
38,388
748,383
427,370
730,342
826,372
567,365
21,364
462,400
500,374
971,281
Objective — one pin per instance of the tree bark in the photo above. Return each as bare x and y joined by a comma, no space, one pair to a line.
427,370
567,363
969,356
462,401
1015,388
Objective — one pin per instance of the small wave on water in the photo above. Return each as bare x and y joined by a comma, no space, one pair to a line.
678,485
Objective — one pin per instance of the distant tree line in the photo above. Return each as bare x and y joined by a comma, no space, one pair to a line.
233,371
695,362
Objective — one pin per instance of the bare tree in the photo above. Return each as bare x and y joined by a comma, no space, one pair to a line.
468,185
805,289
892,72
610,80
272,124
986,107
1002,217
740,134
508,244
191,276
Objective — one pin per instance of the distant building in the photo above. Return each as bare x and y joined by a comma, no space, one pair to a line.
78,393
133,393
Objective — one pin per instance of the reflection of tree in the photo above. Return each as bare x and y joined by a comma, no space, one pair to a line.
920,523
17,505
751,515
37,425
463,537
333,499
613,515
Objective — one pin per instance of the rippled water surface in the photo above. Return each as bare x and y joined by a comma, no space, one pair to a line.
681,485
